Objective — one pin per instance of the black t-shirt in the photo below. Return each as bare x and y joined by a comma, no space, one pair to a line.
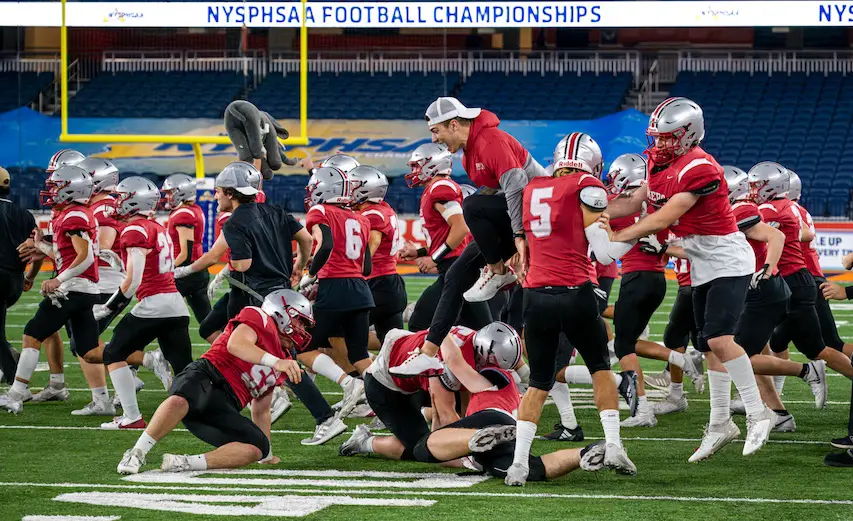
263,233
16,225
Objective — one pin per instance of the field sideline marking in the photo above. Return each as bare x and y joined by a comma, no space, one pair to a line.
534,495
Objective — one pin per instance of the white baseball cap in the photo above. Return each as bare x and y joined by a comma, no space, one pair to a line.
444,109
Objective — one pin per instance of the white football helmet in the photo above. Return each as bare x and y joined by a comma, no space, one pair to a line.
428,161
292,314
67,184
738,182
675,127
178,189
580,152
65,157
767,181
328,185
626,172
497,345
368,184
795,190
343,162
136,196
104,173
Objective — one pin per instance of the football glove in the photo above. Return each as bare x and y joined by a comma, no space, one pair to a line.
183,271
652,245
758,276
216,283
306,281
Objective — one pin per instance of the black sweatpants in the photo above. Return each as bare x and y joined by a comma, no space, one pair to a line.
11,287
472,314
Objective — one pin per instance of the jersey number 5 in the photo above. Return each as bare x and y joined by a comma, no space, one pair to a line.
541,226
355,244
166,259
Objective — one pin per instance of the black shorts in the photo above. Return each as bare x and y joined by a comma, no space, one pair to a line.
681,328
801,321
217,319
390,299
193,283
762,312
76,311
214,410
717,305
135,334
640,296
401,413
343,295
828,328
548,312
352,325
606,284
103,324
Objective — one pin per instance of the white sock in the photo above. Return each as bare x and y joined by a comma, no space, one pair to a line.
100,394
578,374
57,380
26,366
563,401
125,388
327,367
610,422
617,377
367,445
779,383
676,390
197,462
523,372
525,431
643,405
740,369
720,390
144,443
676,358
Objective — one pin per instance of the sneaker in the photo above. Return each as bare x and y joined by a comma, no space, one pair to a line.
52,394
516,475
693,369
96,408
408,312
785,423
116,401
136,379
377,424
175,463
592,457
489,284
628,390
659,380
12,401
737,407
327,430
758,429
488,438
131,462
156,362
563,433
716,437
816,378
844,442
353,445
280,404
839,459
641,419
418,364
123,423
615,458
353,394
670,405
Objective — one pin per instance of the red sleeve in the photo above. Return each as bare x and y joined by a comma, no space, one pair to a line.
316,215
443,191
377,221
183,217
769,214
699,177
498,157
590,180
136,236
254,318
76,221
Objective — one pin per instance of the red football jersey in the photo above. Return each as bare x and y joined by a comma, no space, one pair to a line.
781,214
234,369
190,216
74,218
221,219
435,227
383,219
553,224
611,271
350,233
744,212
636,259
712,213
812,256
463,336
682,271
503,396
104,212
157,276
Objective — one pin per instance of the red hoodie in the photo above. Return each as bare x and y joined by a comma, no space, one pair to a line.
490,152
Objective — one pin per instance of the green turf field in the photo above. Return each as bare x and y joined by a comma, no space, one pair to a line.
55,464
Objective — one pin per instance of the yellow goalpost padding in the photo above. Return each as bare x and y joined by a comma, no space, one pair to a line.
195,141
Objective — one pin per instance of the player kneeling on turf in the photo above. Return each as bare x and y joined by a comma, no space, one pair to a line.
244,364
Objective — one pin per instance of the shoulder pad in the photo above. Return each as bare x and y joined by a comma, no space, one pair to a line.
449,380
594,197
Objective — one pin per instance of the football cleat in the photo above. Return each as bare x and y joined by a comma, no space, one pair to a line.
785,423
96,408
615,458
844,442
52,394
136,379
592,457
13,401
418,364
487,438
353,395
693,369
175,463
816,378
516,475
353,445
563,433
123,423
716,437
280,404
362,410
628,390
641,419
737,407
758,429
839,459
327,430
377,424
131,462
670,405
156,362
489,284
659,380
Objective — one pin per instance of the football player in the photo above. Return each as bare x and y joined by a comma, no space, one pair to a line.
65,157
249,359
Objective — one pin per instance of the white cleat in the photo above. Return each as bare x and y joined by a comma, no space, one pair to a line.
616,459
377,424
592,457
693,369
418,364
737,407
641,419
175,463
758,429
659,380
715,438
516,475
362,410
816,378
12,401
131,462
670,405
327,430
280,404
489,284
407,313
137,380
96,408
488,438
353,394
52,394
156,362
785,423
354,444
123,423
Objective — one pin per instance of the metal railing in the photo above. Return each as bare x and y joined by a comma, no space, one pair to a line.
38,65
767,62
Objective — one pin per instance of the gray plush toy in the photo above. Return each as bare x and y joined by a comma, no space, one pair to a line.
254,134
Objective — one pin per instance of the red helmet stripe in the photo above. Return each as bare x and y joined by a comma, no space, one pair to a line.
663,104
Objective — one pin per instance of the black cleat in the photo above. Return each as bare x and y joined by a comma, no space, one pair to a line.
839,459
628,390
844,442
563,433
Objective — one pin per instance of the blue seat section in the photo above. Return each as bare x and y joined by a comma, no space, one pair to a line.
803,122
158,95
19,88
354,95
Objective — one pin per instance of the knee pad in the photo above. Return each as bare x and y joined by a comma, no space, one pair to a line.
421,452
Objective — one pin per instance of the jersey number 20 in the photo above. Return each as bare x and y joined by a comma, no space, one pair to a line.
166,258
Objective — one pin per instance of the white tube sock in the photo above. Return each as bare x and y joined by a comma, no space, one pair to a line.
523,372
563,401
740,369
617,377
125,388
779,383
720,391
525,431
100,394
197,462
145,443
26,366
578,374
676,358
327,367
643,405
610,423
57,380
676,391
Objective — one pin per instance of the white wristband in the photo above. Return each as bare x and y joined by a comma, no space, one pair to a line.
269,360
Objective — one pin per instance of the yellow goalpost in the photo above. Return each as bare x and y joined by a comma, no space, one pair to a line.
195,141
